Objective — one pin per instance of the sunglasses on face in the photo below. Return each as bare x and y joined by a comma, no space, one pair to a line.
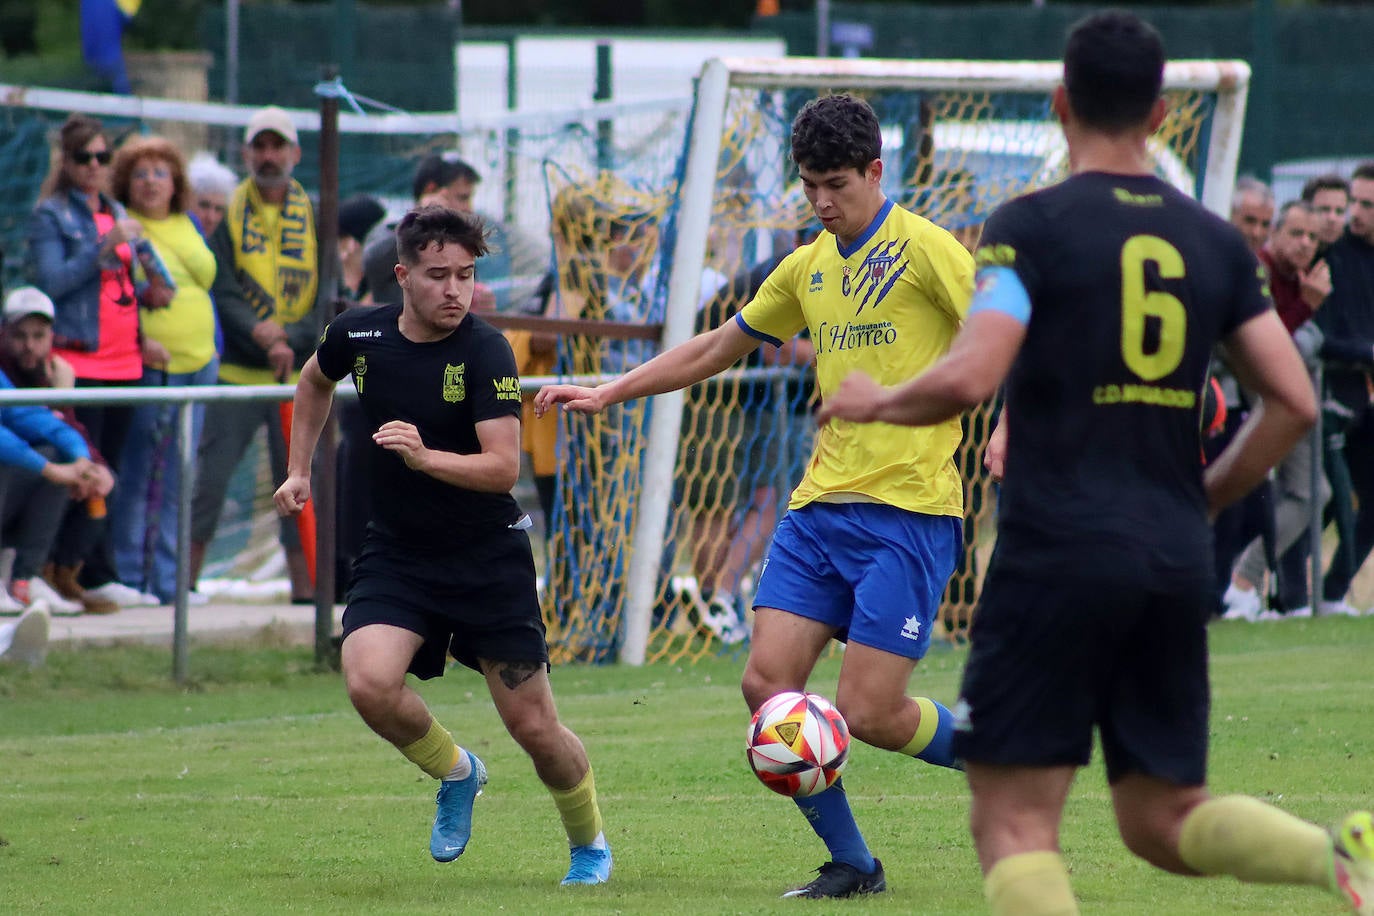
84,157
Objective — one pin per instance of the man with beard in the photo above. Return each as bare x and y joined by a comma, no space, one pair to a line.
270,304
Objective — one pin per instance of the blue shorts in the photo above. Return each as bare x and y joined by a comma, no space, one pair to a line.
874,572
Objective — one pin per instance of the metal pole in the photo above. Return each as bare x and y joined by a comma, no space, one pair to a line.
605,137
512,133
345,36
186,454
822,28
1315,525
1259,133
231,52
326,454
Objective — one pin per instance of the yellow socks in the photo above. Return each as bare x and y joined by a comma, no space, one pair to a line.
579,811
1030,884
930,722
934,738
435,753
1243,837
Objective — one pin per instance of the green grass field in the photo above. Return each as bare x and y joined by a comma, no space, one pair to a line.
258,790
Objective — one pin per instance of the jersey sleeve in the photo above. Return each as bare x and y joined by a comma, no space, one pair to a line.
774,315
334,353
1008,241
495,382
945,271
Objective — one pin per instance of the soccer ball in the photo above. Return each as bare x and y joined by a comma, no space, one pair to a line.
798,744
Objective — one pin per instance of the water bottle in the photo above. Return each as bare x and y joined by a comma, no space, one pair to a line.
153,265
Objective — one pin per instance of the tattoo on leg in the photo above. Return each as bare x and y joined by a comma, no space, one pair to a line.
513,674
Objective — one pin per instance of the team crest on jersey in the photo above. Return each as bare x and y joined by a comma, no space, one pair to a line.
359,370
845,277
879,271
817,281
455,388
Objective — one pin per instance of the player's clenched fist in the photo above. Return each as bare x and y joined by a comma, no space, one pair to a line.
572,397
856,399
292,496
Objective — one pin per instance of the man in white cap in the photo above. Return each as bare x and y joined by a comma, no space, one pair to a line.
271,306
45,461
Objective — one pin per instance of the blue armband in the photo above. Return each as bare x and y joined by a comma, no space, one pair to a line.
999,289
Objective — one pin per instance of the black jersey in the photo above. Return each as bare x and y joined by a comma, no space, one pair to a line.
1131,283
445,388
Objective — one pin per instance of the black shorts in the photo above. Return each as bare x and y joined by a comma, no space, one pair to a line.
473,600
1051,658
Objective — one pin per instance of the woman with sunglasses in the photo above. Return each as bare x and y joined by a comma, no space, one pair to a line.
80,255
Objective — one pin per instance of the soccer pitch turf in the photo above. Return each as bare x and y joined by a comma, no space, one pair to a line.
257,789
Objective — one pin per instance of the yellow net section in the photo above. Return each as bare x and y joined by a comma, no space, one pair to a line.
746,435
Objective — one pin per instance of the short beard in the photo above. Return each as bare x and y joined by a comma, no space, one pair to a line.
272,182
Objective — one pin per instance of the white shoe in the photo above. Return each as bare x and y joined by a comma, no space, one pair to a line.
1268,616
1241,604
123,596
197,599
1304,611
9,605
40,590
1337,609
26,640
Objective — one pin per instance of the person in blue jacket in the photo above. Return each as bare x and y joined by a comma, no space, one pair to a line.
44,464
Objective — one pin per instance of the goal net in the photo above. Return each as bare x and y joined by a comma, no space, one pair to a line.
714,465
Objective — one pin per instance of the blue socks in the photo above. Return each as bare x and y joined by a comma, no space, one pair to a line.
829,815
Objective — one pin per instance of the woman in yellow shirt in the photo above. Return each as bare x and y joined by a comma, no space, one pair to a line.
178,323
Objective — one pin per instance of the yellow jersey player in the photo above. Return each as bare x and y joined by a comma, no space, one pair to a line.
874,529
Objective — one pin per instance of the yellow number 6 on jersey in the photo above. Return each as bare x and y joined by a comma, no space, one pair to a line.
1137,304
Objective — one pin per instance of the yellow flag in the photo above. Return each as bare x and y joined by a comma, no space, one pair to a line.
129,7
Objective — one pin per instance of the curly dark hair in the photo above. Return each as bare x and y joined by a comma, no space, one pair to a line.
439,226
836,132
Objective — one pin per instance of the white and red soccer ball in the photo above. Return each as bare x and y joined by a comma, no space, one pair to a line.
798,744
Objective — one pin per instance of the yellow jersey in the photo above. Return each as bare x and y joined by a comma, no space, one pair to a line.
889,304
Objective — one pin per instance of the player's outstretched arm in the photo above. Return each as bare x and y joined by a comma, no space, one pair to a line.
686,364
1262,354
577,398
314,394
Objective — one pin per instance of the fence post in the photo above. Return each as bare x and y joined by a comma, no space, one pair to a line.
326,454
1314,587
181,659
605,128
